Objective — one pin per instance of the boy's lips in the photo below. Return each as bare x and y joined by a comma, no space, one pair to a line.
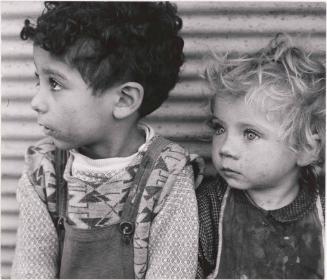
47,130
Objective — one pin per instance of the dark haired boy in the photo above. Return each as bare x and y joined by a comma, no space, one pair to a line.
128,208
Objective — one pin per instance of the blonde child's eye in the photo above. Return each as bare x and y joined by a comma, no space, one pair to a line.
220,130
54,85
216,126
251,134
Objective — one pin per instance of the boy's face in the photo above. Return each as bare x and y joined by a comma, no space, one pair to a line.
246,149
67,110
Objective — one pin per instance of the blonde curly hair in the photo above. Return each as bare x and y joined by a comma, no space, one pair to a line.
285,82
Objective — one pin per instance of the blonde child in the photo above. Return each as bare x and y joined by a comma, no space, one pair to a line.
263,216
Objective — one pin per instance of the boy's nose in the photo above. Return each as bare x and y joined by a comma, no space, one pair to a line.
39,104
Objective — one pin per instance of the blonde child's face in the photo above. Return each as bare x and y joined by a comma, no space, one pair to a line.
246,149
67,110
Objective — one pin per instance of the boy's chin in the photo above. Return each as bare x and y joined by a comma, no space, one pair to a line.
62,145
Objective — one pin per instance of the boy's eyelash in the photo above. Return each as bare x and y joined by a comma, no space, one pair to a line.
53,84
37,78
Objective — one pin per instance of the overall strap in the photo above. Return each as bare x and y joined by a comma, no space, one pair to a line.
321,218
61,202
214,274
320,205
321,192
127,224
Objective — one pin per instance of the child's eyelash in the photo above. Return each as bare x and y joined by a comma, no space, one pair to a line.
251,134
215,125
212,123
54,85
37,78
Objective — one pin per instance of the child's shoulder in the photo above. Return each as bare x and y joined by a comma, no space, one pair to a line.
171,156
211,190
39,170
42,149
210,196
39,158
171,146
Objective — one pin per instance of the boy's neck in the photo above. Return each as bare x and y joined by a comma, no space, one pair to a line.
273,198
124,143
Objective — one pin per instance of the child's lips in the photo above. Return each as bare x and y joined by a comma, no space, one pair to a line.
228,171
47,130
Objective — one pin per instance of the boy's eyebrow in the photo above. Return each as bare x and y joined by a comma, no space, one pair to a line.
50,71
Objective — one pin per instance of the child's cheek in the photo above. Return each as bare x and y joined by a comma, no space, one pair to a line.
216,159
255,168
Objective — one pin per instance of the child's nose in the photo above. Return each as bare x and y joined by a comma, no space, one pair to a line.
229,148
39,104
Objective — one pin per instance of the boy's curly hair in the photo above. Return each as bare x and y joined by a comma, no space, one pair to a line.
285,82
111,42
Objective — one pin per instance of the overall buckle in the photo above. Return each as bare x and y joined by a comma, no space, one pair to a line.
127,229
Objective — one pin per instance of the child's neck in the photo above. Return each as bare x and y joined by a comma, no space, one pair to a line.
272,198
123,145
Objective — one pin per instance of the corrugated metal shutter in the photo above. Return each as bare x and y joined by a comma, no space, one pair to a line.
222,26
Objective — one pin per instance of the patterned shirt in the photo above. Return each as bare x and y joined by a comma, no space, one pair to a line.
173,237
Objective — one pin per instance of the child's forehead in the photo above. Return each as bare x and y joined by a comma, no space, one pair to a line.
239,114
51,65
264,97
245,105
46,60
42,55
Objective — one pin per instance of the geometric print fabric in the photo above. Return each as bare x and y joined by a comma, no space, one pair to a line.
97,201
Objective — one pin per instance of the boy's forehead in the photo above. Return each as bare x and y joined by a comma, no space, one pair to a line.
48,64
47,61
42,54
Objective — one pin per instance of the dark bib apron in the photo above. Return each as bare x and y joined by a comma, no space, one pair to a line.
255,246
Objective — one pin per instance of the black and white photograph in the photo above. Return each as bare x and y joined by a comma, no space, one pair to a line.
163,140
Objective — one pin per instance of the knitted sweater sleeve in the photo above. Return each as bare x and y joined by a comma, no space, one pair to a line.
36,250
173,243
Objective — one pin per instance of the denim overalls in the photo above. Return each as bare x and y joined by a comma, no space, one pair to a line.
103,252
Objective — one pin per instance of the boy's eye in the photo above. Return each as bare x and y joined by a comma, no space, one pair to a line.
54,85
37,79
216,126
251,134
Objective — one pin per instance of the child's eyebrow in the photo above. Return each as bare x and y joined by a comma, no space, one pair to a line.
253,125
213,117
50,71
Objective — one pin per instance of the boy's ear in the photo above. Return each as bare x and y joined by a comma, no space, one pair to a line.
311,153
130,99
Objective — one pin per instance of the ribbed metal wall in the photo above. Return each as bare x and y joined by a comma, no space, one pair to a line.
221,26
